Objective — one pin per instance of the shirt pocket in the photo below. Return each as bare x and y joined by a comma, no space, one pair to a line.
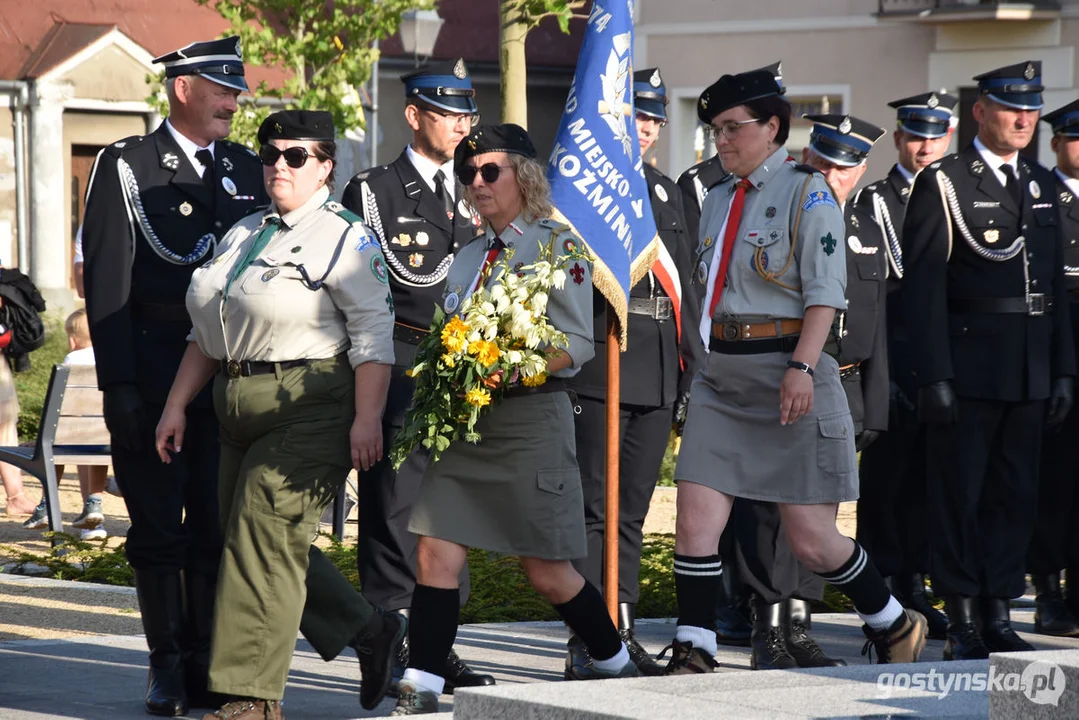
867,266
835,443
765,248
992,227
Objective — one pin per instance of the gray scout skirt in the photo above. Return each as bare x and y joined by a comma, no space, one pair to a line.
733,441
517,492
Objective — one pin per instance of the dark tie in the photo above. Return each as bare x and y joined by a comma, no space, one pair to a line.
1012,185
441,194
207,160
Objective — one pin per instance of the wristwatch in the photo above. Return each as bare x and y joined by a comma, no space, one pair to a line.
800,367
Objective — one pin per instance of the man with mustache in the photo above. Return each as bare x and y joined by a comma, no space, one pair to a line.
155,209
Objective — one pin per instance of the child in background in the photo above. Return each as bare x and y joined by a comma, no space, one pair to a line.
92,478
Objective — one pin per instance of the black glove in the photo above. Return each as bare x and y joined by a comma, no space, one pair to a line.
124,415
681,407
937,404
864,439
1060,400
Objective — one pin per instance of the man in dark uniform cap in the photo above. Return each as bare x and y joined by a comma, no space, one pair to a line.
417,208
1056,539
991,343
155,209
661,358
893,468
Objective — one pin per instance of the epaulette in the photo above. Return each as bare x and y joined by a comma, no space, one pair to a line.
553,225
350,217
946,160
369,173
692,171
238,146
808,169
126,144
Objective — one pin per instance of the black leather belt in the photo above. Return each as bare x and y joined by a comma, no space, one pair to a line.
552,385
246,368
784,344
1033,304
657,308
160,312
408,334
850,371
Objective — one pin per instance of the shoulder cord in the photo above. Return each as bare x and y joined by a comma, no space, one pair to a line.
702,192
403,274
316,285
758,254
884,220
947,191
129,186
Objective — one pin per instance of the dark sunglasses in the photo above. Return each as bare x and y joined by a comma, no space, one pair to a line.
295,157
488,171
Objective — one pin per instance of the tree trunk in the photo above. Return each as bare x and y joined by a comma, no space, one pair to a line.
514,76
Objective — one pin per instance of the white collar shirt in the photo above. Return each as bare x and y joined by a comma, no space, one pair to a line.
997,164
189,148
1072,183
427,169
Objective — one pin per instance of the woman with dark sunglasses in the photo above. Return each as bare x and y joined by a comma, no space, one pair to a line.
293,320
517,491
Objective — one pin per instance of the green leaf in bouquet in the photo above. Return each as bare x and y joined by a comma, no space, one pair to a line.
441,443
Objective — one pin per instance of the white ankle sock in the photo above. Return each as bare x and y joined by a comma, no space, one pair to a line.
702,638
425,680
885,618
615,663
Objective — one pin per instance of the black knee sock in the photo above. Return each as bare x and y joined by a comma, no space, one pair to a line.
432,627
697,582
859,580
586,615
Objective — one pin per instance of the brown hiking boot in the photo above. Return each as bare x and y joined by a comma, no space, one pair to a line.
248,710
687,660
901,643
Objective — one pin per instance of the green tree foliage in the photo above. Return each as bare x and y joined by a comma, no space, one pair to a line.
531,12
324,46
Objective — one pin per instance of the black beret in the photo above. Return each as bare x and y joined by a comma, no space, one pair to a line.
508,138
297,125
733,90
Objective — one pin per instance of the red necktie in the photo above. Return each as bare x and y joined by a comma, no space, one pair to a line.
734,218
496,247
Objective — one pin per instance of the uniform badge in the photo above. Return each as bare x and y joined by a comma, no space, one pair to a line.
828,243
1035,189
770,212
707,242
704,101
577,272
517,269
230,187
854,243
569,246
1028,71
845,126
762,265
459,70
991,235
227,163
655,81
854,221
415,259
977,167
452,301
186,209
239,50
378,267
404,240
1066,197
270,274
170,160
422,238
932,102
905,191
820,197
661,193
702,272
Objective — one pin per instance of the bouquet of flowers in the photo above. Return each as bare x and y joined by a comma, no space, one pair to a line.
499,338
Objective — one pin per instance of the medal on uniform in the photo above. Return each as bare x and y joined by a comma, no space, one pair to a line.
451,302
185,208
702,272
230,187
422,238
854,243
991,236
270,274
1035,189
403,240
415,260
661,193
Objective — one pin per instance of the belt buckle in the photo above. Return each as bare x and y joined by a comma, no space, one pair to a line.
1036,304
664,308
232,369
732,331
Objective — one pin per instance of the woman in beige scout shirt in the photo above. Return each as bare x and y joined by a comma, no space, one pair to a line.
293,320
518,491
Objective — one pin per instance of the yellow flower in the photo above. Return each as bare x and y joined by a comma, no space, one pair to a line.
484,351
534,380
448,360
478,397
453,335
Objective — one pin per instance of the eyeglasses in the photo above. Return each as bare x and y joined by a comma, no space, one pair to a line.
642,118
295,157
731,128
454,118
488,171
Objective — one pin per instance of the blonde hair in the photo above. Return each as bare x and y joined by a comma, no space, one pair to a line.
78,327
533,186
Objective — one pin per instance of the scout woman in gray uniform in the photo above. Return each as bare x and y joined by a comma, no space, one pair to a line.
768,419
293,319
518,491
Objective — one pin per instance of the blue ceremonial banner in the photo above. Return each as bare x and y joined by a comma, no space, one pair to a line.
595,170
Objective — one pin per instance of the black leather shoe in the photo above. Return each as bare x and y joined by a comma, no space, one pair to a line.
913,596
769,640
161,603
963,641
460,675
640,657
805,651
997,629
1051,613
377,647
733,626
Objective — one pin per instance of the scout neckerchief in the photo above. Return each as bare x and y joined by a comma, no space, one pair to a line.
485,269
734,219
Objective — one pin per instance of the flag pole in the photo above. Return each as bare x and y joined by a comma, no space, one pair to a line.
610,536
